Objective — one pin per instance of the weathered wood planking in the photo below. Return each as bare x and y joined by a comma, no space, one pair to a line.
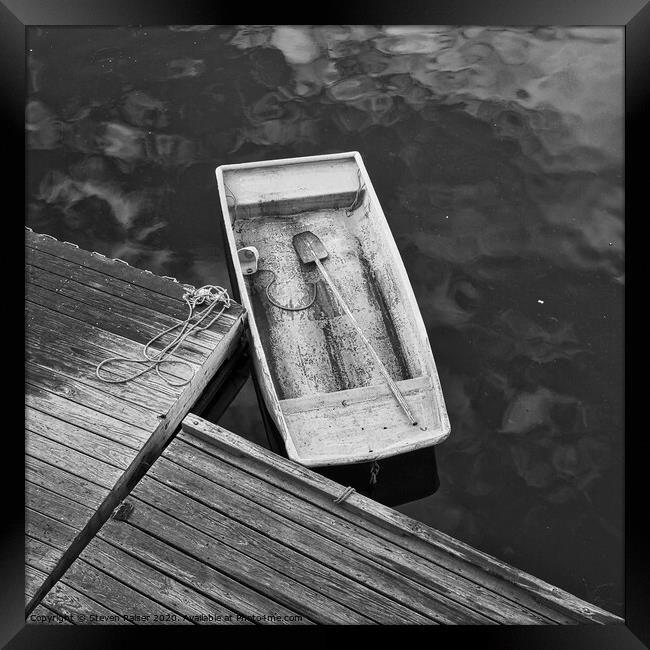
86,440
221,525
408,541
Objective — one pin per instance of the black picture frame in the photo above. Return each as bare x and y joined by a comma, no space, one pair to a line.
17,15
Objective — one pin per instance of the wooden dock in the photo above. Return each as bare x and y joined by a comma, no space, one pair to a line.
222,531
88,441
129,521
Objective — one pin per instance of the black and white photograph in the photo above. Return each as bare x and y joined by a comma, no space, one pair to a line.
324,325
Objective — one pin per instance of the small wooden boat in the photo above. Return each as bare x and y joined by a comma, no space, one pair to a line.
331,402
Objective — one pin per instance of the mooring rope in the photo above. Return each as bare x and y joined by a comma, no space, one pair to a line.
208,295
374,472
346,493
353,206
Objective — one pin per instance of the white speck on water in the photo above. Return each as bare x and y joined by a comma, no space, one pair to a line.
446,216
541,302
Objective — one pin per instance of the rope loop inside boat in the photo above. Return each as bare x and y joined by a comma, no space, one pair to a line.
286,307
207,298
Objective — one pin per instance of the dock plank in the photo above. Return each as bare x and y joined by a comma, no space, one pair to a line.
82,393
159,586
119,322
94,337
219,519
243,568
67,602
87,441
59,481
72,461
50,505
145,318
335,583
367,515
74,346
159,302
109,267
92,444
256,501
194,573
74,364
528,592
72,604
71,411
301,549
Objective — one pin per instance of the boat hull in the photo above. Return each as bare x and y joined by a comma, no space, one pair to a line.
326,396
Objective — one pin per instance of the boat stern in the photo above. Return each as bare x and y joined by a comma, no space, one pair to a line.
362,424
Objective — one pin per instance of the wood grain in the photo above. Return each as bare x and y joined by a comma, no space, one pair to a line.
122,288
94,338
118,322
336,542
529,595
254,532
221,526
86,440
159,586
299,534
172,559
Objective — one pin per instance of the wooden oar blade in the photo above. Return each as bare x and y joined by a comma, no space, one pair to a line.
309,247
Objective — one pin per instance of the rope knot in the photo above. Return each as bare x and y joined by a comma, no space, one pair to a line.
207,295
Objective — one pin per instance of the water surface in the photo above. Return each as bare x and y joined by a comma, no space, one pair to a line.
497,156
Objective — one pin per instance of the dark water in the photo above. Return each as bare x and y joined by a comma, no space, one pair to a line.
497,156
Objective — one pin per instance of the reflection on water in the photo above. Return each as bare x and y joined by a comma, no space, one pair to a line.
497,156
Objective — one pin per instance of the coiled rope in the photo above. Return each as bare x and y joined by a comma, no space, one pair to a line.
210,296
274,302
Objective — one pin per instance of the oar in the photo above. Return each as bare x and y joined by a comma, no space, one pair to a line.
311,249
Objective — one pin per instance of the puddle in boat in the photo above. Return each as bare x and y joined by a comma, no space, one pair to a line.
497,157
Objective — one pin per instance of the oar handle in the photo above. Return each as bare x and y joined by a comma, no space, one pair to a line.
389,380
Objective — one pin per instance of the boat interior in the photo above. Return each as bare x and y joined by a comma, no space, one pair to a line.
308,341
